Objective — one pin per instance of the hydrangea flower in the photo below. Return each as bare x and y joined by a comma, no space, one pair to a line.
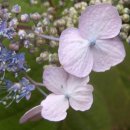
95,44
67,90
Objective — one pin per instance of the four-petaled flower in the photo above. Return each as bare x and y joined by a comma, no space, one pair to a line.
67,90
94,45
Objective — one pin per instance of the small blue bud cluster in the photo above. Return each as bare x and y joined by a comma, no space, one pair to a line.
14,62
15,92
11,61
5,31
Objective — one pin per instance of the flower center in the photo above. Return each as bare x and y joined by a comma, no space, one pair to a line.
65,92
92,43
67,96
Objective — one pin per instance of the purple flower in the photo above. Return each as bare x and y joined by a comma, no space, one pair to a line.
67,90
17,91
25,18
94,45
5,31
16,9
26,89
11,61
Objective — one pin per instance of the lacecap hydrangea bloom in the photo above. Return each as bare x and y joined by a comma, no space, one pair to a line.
95,44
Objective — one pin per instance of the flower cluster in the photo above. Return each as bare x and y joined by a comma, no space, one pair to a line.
93,46
5,31
11,61
15,91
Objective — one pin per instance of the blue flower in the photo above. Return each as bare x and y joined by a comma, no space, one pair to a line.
16,91
5,31
11,61
16,9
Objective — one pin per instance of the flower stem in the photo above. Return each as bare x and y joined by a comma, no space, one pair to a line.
34,82
41,91
48,37
37,84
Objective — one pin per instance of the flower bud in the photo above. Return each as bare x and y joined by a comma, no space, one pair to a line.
46,21
120,8
53,44
22,34
125,28
13,23
33,2
44,56
24,18
78,6
40,42
72,11
128,39
39,60
50,17
38,30
83,4
44,14
7,15
62,28
53,31
46,4
51,10
123,35
39,24
51,65
16,9
26,43
126,11
53,58
31,35
107,1
35,16
126,18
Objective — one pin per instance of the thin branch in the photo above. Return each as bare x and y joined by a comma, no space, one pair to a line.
47,37
40,90
34,82
37,84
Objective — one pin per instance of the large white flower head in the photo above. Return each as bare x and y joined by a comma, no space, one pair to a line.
67,90
95,44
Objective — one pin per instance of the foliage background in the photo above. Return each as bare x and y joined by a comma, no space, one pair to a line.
111,107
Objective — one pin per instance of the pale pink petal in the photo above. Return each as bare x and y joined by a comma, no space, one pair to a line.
55,107
54,78
81,99
73,82
32,115
108,53
100,21
74,53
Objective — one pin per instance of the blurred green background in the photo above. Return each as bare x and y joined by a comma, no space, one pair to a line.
111,107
